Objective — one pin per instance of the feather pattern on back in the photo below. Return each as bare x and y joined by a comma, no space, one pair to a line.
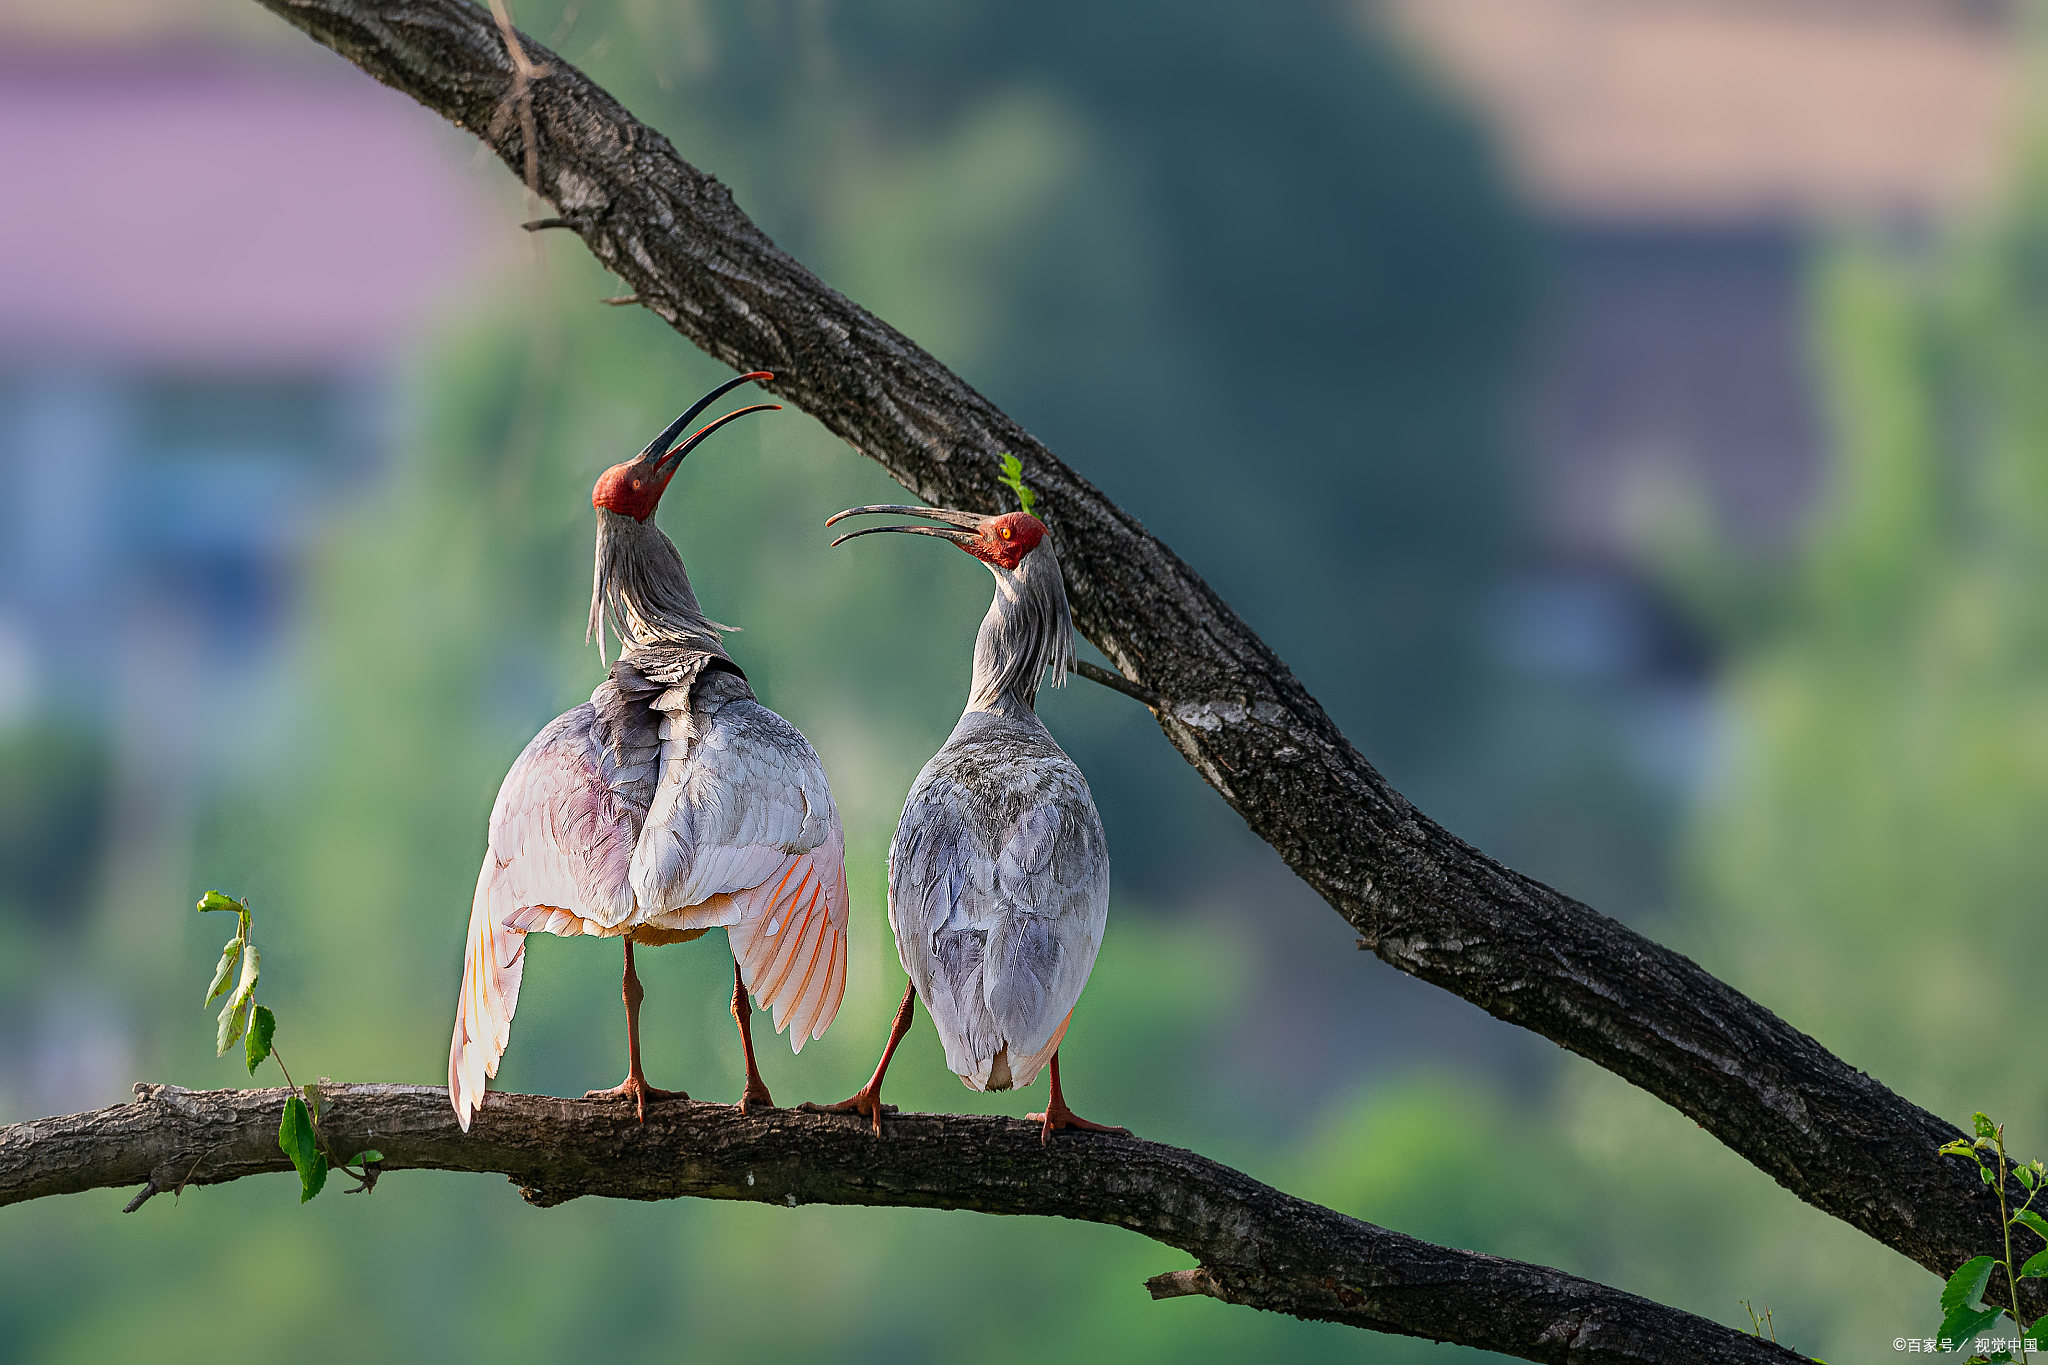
998,894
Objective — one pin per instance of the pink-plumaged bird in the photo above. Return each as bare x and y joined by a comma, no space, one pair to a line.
669,804
999,872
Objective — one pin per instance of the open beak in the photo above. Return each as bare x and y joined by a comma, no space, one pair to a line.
664,460
970,520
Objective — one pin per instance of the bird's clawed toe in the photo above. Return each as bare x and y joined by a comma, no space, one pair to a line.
755,1097
1060,1116
639,1091
867,1104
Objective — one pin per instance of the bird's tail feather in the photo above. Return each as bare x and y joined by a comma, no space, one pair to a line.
491,968
1018,1071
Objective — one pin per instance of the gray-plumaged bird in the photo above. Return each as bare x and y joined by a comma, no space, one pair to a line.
999,873
669,804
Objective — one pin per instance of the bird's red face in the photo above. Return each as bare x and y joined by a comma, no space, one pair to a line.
1002,541
1005,540
632,489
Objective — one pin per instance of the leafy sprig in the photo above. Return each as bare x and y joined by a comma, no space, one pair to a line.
298,1135
1964,1315
1012,478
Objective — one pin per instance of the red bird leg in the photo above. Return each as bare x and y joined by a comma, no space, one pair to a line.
756,1092
635,1084
868,1100
1057,1115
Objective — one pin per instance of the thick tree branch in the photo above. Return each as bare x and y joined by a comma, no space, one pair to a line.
1257,1246
1423,900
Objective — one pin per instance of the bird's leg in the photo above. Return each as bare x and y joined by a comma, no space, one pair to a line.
868,1100
635,1085
1057,1115
756,1092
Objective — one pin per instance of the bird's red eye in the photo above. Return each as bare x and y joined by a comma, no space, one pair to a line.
1006,533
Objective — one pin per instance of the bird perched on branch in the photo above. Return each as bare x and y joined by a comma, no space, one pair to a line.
669,804
999,873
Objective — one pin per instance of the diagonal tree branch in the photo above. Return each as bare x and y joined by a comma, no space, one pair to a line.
1257,1246
1422,899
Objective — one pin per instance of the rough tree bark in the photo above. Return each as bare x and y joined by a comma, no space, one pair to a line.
1257,1246
1422,899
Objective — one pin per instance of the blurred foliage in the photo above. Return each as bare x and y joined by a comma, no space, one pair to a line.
1245,270
1867,861
1887,757
53,797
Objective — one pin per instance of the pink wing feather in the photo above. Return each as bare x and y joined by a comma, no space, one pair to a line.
561,844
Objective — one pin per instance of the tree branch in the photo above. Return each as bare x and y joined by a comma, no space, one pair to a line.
1422,899
1257,1246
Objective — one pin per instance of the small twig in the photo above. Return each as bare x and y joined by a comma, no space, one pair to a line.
1117,682
621,300
180,1189
149,1187
543,224
519,98
278,1057
1179,1284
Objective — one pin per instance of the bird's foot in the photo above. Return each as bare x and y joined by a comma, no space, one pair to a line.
756,1096
637,1089
867,1103
1057,1115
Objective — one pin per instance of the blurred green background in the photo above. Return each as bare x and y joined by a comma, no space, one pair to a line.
1261,274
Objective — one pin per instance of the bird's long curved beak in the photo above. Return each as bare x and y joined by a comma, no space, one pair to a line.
666,465
970,520
657,452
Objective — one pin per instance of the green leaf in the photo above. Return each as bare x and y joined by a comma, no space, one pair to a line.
1985,1127
1985,1172
234,1017
2026,1177
309,1188
366,1156
1964,1287
1960,1147
1963,1323
217,900
2036,1266
2034,1221
295,1136
230,954
1012,478
262,1028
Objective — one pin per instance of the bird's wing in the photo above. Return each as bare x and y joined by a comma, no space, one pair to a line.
999,912
743,832
941,867
790,939
1052,890
561,843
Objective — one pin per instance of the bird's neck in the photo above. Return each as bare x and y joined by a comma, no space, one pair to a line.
639,587
1027,630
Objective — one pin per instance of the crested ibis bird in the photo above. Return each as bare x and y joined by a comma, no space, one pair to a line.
999,872
670,803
